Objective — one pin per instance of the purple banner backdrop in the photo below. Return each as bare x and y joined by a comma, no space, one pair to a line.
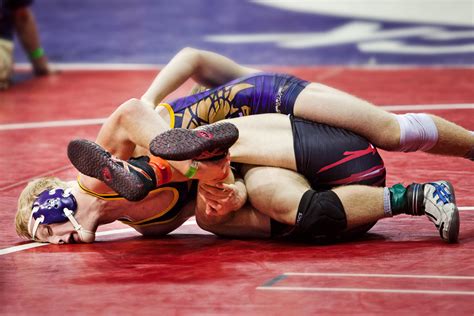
254,32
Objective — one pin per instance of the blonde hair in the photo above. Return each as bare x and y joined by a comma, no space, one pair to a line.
26,199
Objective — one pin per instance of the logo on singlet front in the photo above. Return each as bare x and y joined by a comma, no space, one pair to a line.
280,92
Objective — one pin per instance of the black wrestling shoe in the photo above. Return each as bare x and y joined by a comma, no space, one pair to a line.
202,143
132,179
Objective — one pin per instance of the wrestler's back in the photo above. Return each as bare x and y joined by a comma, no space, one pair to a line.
162,228
162,211
165,209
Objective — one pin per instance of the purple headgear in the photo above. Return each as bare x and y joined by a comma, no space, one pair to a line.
56,206
51,204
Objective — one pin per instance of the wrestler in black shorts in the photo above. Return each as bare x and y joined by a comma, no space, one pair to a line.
329,157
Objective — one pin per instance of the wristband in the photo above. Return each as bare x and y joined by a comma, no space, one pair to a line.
37,53
193,168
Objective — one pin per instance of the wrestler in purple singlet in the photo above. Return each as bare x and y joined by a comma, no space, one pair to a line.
254,94
326,156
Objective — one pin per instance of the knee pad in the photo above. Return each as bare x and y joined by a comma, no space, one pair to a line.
417,132
320,214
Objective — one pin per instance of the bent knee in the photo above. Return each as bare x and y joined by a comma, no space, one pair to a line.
388,135
130,109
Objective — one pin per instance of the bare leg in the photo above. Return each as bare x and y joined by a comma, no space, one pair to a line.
126,133
287,197
277,193
131,125
330,106
363,204
327,105
265,139
453,140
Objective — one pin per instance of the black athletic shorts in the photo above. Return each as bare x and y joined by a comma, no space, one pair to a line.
329,157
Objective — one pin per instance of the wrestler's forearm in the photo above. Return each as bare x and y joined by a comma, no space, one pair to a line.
179,69
25,25
206,68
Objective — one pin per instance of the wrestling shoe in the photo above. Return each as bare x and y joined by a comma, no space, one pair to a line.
202,143
439,204
132,179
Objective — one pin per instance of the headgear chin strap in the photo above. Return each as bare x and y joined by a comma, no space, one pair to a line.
57,206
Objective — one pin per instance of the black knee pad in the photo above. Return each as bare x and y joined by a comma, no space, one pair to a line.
320,214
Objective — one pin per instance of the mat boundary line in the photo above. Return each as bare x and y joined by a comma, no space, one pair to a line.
31,245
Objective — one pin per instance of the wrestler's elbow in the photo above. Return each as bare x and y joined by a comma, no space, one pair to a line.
189,51
191,55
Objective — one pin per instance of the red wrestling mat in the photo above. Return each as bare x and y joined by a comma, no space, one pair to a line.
401,267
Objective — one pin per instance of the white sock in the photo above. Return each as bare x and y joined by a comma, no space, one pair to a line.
387,207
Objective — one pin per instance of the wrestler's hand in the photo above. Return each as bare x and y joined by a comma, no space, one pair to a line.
210,171
41,67
222,198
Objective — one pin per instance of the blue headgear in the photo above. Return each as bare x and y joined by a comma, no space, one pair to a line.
56,206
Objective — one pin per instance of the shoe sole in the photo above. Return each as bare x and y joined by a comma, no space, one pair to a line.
202,143
453,233
93,161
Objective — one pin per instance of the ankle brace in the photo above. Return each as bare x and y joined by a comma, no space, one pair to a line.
407,200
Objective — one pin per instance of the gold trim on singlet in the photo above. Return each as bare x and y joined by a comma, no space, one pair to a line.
115,196
170,111
102,196
142,223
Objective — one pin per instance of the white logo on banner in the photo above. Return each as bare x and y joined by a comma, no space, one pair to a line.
368,36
